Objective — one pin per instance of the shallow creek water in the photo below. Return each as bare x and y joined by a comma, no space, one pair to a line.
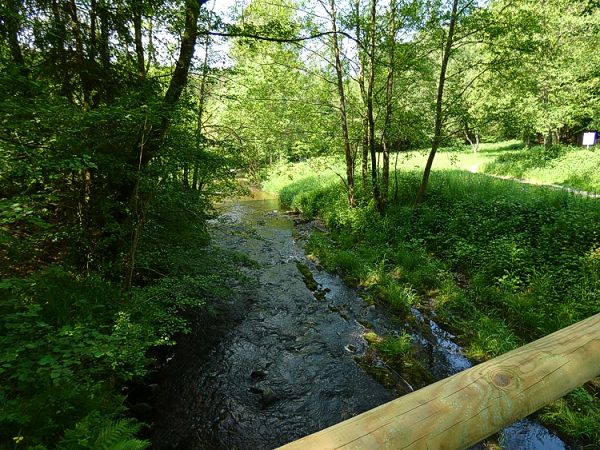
288,366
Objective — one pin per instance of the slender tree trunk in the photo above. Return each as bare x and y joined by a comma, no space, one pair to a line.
104,51
474,145
195,177
201,107
83,71
93,30
202,93
150,45
343,116
439,119
178,79
389,95
370,112
186,174
150,141
58,49
363,95
10,28
139,45
12,24
365,150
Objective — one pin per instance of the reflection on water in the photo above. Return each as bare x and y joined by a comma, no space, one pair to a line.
447,358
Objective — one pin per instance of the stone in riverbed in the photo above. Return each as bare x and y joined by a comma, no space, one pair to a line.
268,398
258,375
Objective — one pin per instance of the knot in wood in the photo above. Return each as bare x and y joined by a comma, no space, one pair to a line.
503,378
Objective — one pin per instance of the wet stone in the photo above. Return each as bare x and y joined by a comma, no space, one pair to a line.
258,375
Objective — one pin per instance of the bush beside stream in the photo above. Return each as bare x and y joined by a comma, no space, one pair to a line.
500,262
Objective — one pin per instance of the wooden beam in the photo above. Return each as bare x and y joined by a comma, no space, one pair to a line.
465,408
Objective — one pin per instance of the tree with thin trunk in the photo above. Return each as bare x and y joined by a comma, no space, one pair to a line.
389,98
363,92
370,107
342,101
439,113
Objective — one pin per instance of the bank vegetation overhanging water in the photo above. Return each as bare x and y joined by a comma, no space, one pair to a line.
500,263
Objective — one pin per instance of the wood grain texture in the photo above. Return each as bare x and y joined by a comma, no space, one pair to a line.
465,408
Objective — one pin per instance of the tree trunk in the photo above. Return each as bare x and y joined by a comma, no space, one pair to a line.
186,175
370,113
343,116
83,71
104,51
439,119
12,24
474,145
149,145
363,95
389,94
150,45
195,177
139,45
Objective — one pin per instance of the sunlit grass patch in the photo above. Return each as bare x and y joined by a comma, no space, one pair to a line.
492,337
573,167
395,347
576,415
502,263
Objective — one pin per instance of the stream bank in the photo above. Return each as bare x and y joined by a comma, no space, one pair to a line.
287,361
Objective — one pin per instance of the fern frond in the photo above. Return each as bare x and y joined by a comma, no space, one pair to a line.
120,435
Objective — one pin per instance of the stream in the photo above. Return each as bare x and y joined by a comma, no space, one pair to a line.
287,363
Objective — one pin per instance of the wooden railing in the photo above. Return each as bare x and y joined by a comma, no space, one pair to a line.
465,408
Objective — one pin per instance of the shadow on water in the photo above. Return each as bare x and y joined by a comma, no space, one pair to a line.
288,365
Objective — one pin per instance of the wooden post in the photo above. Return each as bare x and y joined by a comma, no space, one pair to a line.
465,408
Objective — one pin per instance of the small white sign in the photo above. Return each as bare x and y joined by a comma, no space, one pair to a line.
589,138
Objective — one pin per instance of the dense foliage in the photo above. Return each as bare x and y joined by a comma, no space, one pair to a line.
105,185
502,263
120,123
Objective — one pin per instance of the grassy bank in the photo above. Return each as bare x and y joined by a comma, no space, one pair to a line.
577,168
500,262
574,167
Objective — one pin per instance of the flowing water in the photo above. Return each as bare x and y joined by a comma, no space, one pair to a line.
288,364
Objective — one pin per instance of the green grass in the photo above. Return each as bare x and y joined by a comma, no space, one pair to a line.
395,347
573,167
460,158
503,263
577,168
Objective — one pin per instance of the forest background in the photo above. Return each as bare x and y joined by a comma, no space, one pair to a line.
123,121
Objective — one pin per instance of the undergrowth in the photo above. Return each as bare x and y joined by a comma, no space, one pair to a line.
71,342
502,263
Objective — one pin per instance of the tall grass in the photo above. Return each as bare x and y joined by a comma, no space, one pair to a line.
502,262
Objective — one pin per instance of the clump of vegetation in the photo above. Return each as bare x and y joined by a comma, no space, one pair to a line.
501,262
307,276
395,347
70,343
